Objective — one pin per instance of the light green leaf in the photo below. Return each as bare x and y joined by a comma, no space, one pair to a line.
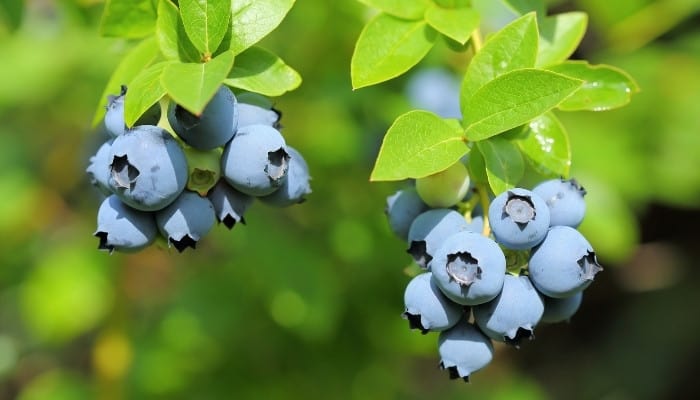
192,85
206,22
514,47
560,35
128,18
455,23
513,99
172,38
504,163
412,9
133,62
547,146
523,7
418,144
604,87
388,47
252,20
144,91
257,70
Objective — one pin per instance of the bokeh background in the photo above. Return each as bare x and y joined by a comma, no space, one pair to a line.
305,302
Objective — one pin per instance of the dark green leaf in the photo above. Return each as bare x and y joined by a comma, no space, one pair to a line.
128,18
144,91
477,167
513,99
412,9
418,144
11,12
547,146
252,20
559,37
504,163
388,47
455,23
258,70
206,22
172,39
523,7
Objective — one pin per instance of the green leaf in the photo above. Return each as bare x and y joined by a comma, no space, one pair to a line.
547,146
455,23
257,70
206,22
11,13
604,87
192,85
172,38
504,163
412,9
131,65
523,7
560,35
252,20
513,99
513,47
144,91
128,18
388,47
477,167
418,144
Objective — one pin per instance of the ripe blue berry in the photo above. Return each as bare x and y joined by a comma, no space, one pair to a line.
427,308
513,314
464,349
435,90
295,188
519,219
114,117
186,220
469,268
558,310
98,170
563,264
122,228
564,198
402,208
429,230
254,110
229,204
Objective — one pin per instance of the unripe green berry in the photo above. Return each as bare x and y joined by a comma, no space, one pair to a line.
445,188
204,169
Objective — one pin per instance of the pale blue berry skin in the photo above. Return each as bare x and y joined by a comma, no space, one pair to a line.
435,90
296,187
564,198
463,350
469,268
186,220
558,310
256,161
251,114
229,204
114,116
519,219
213,128
98,171
122,228
148,168
476,225
513,314
563,264
429,229
402,208
427,308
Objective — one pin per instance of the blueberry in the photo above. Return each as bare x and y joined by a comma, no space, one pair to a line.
98,170
122,228
435,90
513,314
295,188
254,109
402,208
476,225
186,220
563,264
564,197
464,349
445,188
148,168
256,161
427,308
229,204
558,310
469,268
114,117
519,219
429,230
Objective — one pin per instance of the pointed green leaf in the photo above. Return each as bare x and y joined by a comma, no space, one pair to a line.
388,47
560,35
128,18
252,20
144,91
192,85
206,22
604,87
513,47
504,163
477,167
455,23
547,146
257,70
412,9
172,38
418,144
513,99
133,62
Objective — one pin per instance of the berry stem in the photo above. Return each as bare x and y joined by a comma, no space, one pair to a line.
483,193
476,40
467,207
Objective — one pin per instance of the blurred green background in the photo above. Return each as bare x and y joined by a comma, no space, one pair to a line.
305,302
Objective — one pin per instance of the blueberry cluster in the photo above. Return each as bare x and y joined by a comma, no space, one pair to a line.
493,278
179,185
